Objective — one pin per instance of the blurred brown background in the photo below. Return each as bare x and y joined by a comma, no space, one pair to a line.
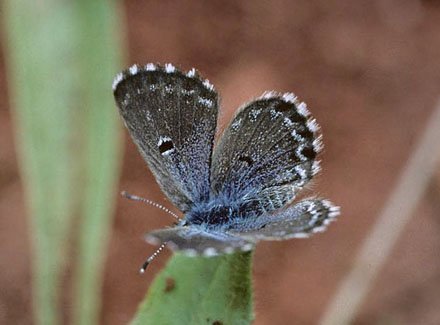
369,72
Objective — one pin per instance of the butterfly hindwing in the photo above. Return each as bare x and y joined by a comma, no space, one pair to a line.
172,118
194,241
299,220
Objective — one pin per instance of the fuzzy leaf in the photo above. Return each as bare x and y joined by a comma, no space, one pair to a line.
200,290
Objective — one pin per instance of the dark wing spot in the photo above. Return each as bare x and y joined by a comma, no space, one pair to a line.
294,157
304,132
165,146
246,159
283,106
297,118
319,223
309,153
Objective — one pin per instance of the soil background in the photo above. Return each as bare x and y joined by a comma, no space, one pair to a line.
370,74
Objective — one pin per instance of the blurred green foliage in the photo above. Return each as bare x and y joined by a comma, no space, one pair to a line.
61,58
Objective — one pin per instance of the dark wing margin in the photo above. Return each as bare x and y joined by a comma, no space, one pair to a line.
172,118
194,241
267,153
300,220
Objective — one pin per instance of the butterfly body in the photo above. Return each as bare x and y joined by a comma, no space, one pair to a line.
240,190
213,214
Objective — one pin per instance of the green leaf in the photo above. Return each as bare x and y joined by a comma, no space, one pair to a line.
200,290
99,55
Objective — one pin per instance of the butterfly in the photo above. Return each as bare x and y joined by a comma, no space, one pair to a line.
234,192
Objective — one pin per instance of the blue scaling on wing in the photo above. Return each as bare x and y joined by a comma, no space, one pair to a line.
172,118
267,154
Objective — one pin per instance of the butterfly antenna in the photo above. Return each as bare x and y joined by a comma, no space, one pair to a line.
152,257
157,205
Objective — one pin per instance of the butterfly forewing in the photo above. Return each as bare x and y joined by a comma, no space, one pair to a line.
267,153
172,118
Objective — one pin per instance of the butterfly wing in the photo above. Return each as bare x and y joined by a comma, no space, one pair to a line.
194,241
172,118
267,153
297,221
